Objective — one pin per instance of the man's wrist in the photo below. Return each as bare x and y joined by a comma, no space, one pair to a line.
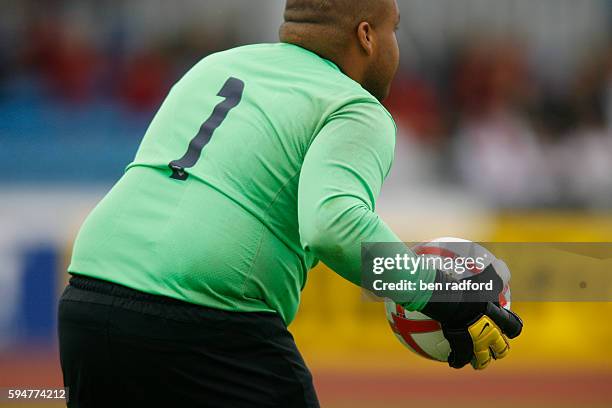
448,306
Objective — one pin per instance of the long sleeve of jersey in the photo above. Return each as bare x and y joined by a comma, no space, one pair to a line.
341,178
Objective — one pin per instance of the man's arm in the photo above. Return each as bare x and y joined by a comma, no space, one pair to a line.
340,181
341,178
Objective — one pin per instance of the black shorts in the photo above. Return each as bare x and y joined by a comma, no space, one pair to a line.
124,348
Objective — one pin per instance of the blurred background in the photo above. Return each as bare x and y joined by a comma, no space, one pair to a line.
504,111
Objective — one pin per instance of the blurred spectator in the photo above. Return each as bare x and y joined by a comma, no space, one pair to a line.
491,75
146,81
497,153
499,158
64,57
415,105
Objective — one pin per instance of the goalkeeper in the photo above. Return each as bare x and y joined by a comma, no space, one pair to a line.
261,161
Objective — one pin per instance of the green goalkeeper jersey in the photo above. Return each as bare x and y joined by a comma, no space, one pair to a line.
261,161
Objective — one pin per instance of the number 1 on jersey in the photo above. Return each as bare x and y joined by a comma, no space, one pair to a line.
232,91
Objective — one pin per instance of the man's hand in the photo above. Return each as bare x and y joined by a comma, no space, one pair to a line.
476,327
484,339
488,342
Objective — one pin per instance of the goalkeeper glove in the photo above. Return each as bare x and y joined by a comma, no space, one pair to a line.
474,324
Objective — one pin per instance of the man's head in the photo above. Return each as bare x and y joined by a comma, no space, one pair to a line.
358,35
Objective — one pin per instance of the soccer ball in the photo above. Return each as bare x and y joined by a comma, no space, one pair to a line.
418,332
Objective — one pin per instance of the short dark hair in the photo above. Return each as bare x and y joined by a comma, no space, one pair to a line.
326,26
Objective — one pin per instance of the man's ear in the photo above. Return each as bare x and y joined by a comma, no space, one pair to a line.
365,34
